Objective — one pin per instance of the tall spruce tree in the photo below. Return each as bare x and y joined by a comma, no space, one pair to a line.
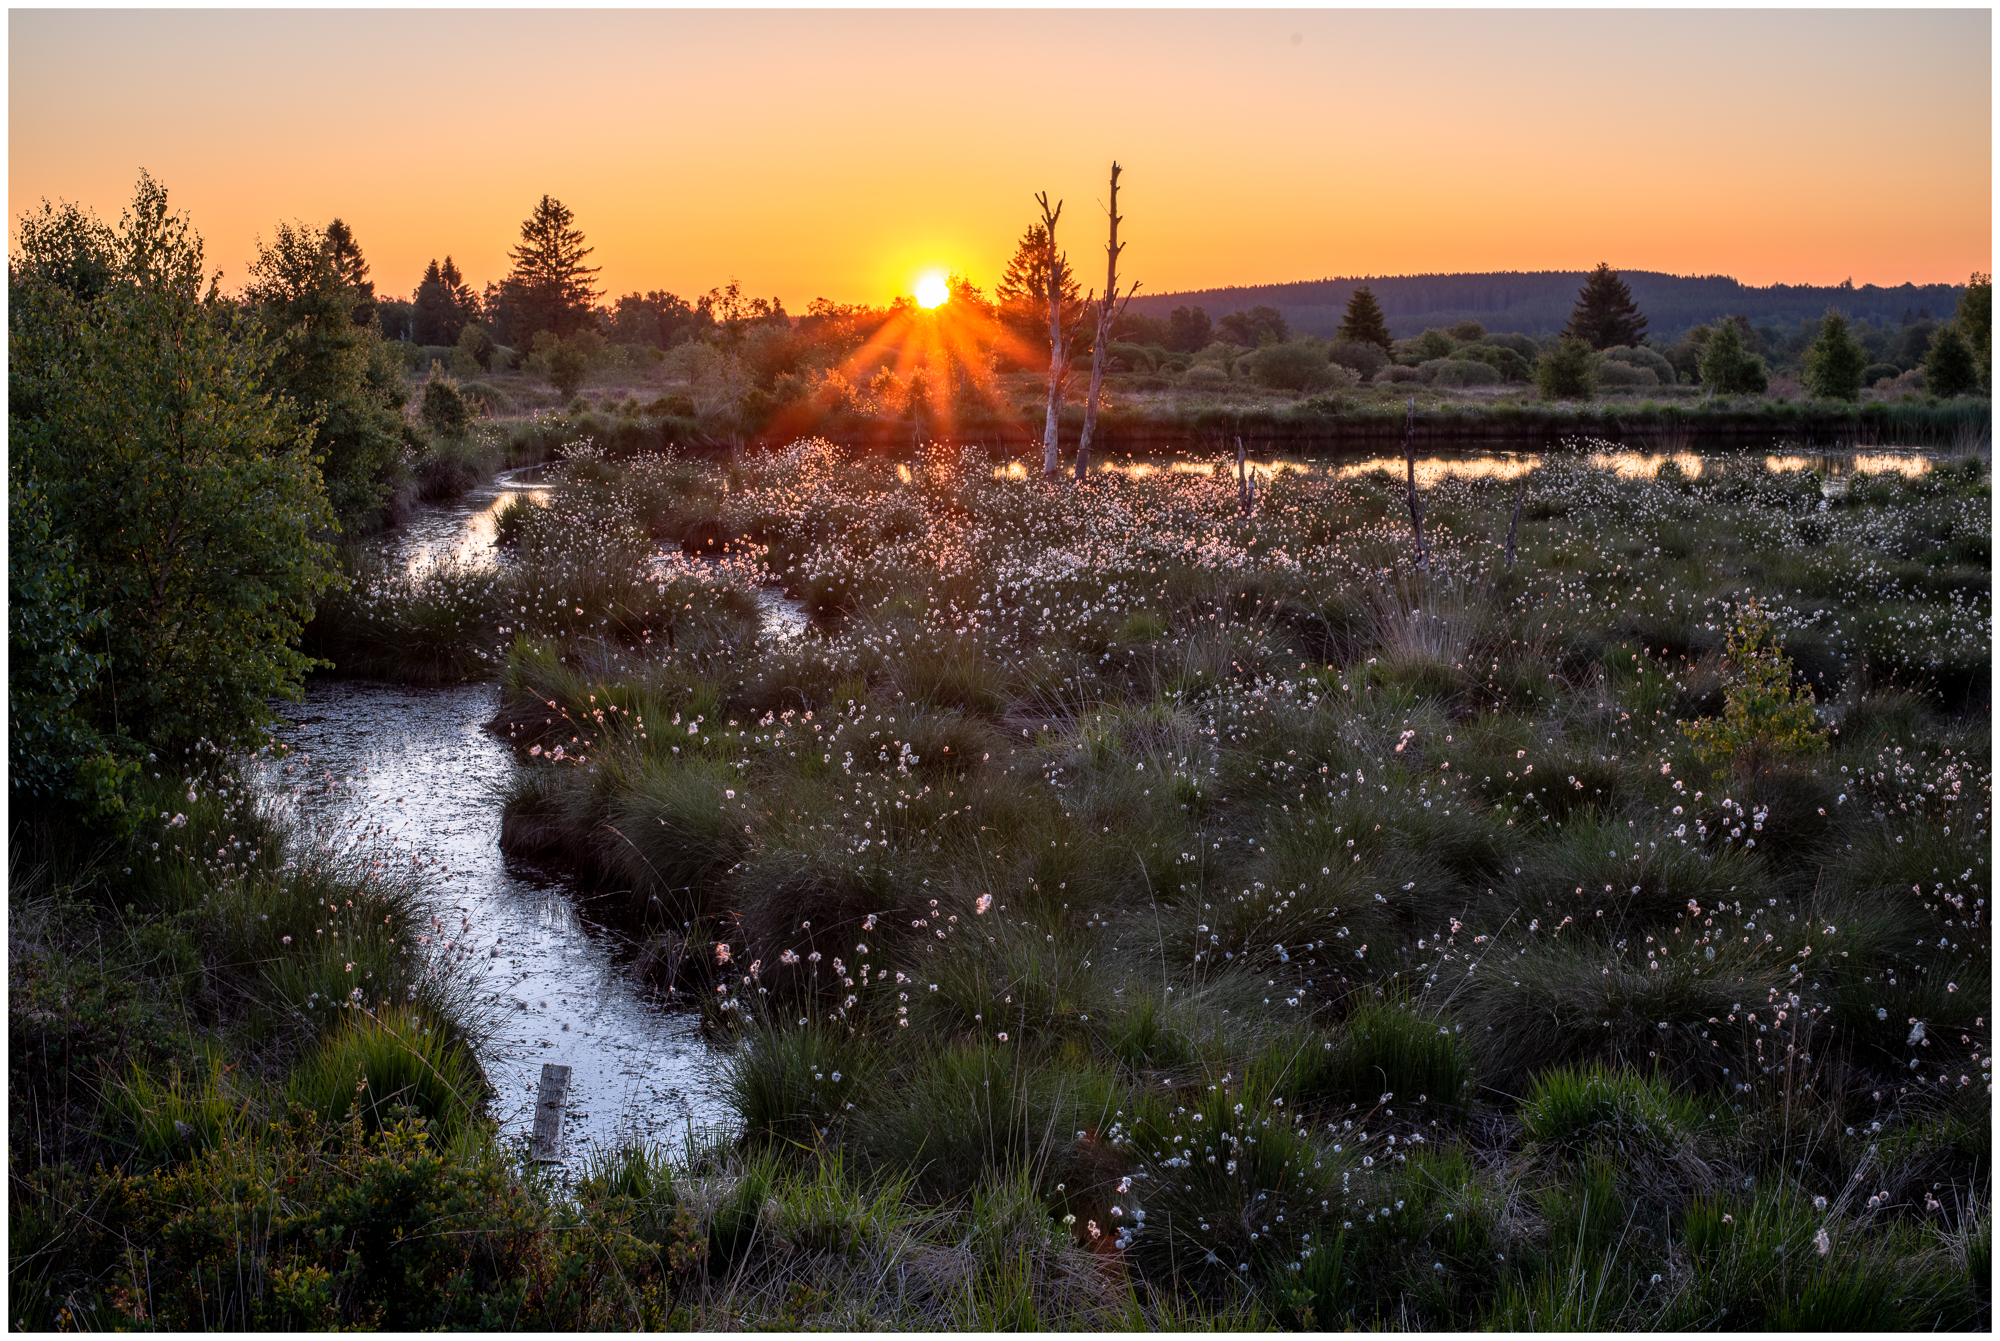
1364,321
1605,314
444,304
550,288
349,264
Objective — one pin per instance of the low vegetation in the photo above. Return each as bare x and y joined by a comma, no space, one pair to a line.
1118,910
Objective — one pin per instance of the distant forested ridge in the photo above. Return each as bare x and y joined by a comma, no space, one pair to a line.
1539,302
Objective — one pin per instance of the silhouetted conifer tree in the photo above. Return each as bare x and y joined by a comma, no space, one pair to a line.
1605,314
1364,321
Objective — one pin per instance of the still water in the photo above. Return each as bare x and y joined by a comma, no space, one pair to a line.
417,770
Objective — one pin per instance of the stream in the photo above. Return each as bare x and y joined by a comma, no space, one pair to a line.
549,966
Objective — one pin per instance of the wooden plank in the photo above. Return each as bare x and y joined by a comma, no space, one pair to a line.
546,1147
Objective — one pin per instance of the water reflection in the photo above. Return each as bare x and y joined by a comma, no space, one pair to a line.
553,979
466,531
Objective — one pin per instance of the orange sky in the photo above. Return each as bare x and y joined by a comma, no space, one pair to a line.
844,153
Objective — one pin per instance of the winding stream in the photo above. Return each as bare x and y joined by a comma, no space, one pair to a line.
550,967
416,770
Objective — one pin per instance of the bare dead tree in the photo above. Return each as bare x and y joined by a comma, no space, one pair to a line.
1058,345
1416,503
1514,525
1108,312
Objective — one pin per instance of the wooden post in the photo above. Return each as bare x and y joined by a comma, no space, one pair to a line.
1416,503
1107,313
1515,524
546,1147
1242,479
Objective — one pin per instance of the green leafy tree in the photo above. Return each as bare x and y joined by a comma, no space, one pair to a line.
1605,314
1763,715
171,504
550,287
1189,330
328,367
1565,372
1257,327
1950,367
1727,367
1835,361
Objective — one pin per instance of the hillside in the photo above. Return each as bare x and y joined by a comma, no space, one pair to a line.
1538,302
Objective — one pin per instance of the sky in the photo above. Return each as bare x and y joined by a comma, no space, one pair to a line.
844,154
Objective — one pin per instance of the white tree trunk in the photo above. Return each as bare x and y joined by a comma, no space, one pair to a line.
1058,352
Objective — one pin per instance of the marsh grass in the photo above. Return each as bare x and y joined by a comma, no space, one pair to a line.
1141,915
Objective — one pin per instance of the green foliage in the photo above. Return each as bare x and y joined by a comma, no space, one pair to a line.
381,1063
444,408
1363,322
1975,321
1950,366
54,750
180,502
1432,344
1726,367
322,362
1643,356
1297,365
549,288
1366,357
1605,315
1764,715
1567,371
1834,364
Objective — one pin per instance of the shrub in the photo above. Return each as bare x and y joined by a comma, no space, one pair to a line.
1643,356
444,408
1611,375
1365,357
1298,365
1763,714
1458,372
1727,367
1204,377
1565,372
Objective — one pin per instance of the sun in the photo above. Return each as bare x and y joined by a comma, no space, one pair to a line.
932,291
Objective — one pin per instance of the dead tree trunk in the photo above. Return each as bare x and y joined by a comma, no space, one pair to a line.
1416,503
1242,479
1106,315
1514,525
1058,351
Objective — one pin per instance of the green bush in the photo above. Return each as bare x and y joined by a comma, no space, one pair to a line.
1566,372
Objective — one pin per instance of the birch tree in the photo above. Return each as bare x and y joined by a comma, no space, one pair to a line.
1108,313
